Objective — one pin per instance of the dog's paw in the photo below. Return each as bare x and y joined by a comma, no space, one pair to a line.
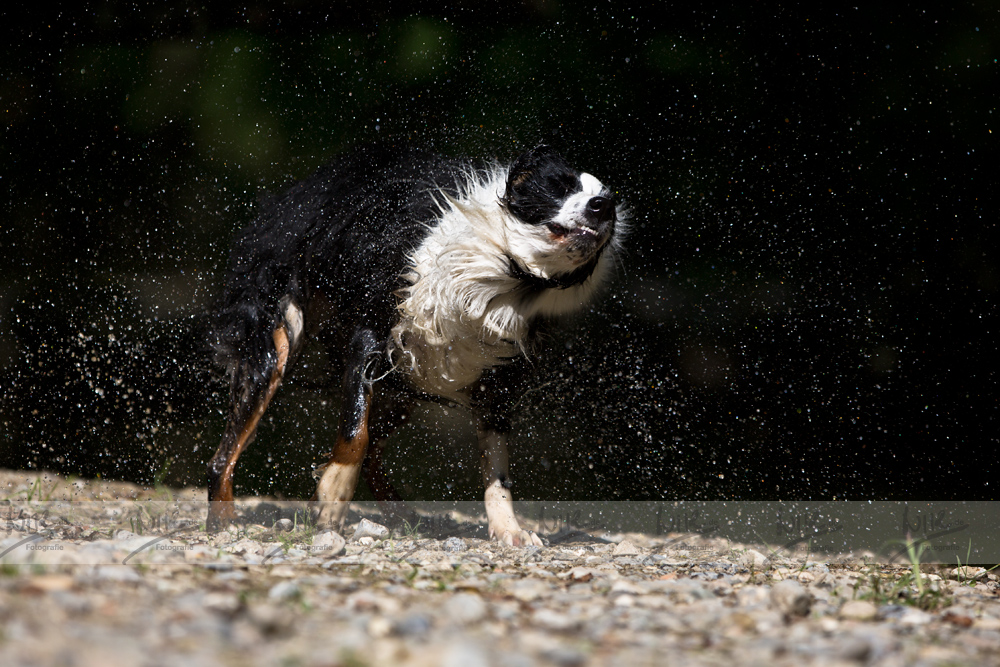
511,534
521,538
331,514
221,515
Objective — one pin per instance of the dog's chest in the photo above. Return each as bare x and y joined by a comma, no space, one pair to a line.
446,368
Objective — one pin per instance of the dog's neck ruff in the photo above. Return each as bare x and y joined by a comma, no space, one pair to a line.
470,297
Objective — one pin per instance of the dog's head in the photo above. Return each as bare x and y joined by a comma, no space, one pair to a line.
563,220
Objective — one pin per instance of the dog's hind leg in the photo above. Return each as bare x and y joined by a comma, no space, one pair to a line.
340,474
250,399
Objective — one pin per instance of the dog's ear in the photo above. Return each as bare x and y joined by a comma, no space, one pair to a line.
530,163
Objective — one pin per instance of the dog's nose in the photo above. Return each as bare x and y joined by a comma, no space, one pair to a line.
600,211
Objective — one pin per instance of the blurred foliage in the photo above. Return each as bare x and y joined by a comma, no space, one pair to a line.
806,306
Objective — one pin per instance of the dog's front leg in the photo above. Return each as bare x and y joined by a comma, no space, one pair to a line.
340,474
499,502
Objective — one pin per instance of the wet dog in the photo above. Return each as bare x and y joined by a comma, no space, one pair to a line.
426,279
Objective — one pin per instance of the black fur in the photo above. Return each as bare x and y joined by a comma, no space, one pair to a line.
341,235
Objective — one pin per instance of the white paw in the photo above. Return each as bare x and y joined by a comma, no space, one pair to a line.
510,533
332,514
521,538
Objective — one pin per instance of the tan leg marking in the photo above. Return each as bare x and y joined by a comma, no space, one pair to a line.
340,476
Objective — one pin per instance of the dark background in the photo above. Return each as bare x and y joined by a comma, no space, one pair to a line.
806,307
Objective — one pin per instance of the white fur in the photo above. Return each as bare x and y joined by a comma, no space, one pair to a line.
463,312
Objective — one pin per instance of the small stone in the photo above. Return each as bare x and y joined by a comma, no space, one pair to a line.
915,617
73,603
368,528
455,545
565,656
858,610
379,627
284,590
366,600
466,654
790,598
245,547
120,573
271,621
226,604
283,525
366,540
968,573
555,621
413,625
223,566
528,590
739,622
579,574
625,548
752,560
855,649
626,586
752,596
48,583
327,544
987,623
465,608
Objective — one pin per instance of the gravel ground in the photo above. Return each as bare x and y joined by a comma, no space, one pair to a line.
281,593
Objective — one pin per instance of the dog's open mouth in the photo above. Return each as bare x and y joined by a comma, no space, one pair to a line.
581,238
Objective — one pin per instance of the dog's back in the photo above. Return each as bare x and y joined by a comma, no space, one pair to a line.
340,236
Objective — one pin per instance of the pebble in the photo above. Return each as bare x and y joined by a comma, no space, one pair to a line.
416,625
752,559
284,590
626,548
454,545
858,610
371,529
328,544
556,621
465,608
116,573
223,603
790,598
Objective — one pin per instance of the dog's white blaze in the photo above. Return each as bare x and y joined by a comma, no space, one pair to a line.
463,311
591,185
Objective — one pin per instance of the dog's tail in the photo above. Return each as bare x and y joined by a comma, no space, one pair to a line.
243,326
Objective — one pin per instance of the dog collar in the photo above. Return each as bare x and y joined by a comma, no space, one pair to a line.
561,281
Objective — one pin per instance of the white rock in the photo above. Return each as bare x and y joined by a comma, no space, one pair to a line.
284,590
790,598
858,610
626,548
465,608
327,544
753,560
555,621
368,528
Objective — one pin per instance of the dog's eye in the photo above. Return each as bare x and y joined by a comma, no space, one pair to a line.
563,186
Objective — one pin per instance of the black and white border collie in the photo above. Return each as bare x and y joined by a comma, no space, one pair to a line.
425,278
